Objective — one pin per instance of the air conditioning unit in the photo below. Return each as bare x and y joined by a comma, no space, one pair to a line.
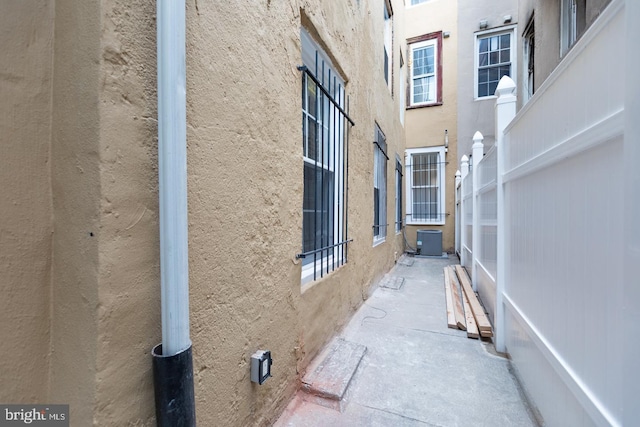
429,242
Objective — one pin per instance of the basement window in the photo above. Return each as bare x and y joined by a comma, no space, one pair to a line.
325,125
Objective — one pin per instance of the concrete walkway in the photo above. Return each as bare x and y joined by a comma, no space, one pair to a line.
416,371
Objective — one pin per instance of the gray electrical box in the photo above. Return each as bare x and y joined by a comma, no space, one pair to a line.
429,242
261,366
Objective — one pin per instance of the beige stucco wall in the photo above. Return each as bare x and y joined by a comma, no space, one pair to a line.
75,176
26,49
82,157
425,127
128,275
245,230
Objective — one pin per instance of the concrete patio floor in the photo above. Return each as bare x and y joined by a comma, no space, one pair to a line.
416,371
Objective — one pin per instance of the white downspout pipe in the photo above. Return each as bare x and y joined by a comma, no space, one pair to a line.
172,170
173,359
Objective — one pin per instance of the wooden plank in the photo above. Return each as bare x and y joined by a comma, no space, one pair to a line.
472,328
478,313
457,302
451,319
486,334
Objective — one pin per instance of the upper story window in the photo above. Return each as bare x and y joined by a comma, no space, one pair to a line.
388,43
426,69
572,23
325,124
402,99
495,57
528,56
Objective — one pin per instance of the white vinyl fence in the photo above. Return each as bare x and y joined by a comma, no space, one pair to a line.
466,218
542,229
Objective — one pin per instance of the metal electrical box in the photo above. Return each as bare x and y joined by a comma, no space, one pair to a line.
429,242
261,366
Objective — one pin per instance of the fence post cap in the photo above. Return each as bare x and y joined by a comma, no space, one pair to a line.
458,174
506,86
464,159
478,137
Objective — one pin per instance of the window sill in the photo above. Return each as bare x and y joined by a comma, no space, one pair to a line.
433,104
378,242
427,223
486,98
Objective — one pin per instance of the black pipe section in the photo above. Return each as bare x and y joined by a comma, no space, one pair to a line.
173,388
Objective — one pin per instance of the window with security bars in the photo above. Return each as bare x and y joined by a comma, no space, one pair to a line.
325,123
495,59
379,187
425,188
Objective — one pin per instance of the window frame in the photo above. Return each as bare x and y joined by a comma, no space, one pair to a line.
331,142
528,60
398,204
568,25
402,101
509,29
388,45
413,43
441,216
380,159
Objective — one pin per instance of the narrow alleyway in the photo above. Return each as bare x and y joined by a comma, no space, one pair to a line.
416,371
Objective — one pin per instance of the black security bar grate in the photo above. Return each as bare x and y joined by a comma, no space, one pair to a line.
325,127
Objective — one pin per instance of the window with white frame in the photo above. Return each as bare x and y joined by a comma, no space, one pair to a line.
528,56
398,194
402,98
379,187
324,128
388,42
426,185
572,17
426,79
495,57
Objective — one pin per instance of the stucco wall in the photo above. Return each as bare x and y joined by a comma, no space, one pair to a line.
26,49
245,199
129,282
79,153
425,127
547,38
478,115
75,173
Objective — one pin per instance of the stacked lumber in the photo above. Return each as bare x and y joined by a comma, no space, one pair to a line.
463,307
453,301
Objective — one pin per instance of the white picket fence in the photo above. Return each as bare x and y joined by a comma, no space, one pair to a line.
541,227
